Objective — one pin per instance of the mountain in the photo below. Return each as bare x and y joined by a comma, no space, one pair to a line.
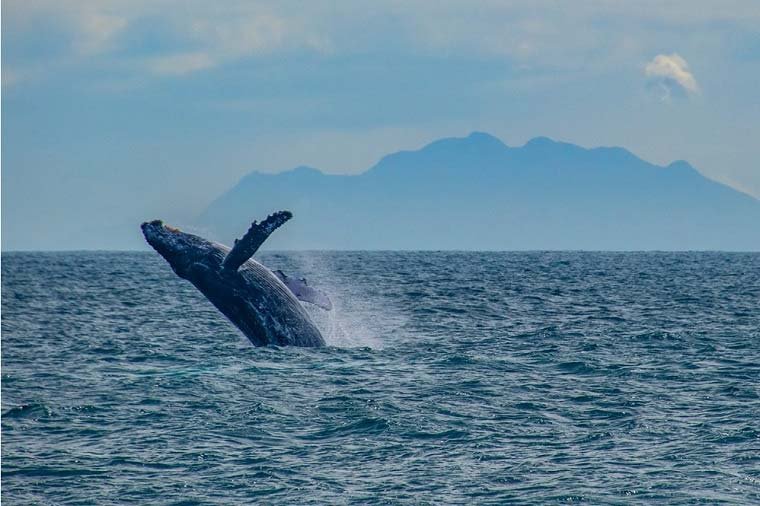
476,193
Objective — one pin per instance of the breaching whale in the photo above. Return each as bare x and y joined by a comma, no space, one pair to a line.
261,303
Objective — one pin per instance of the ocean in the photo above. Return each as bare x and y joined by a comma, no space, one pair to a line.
450,378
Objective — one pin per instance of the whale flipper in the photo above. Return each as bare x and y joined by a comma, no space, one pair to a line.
247,245
304,292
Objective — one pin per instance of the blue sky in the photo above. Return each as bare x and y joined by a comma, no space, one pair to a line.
118,111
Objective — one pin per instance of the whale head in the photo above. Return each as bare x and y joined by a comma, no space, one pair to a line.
181,250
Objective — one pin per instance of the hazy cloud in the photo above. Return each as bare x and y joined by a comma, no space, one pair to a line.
197,35
670,75
96,31
194,35
229,38
179,64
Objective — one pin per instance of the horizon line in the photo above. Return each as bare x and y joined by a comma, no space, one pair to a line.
147,250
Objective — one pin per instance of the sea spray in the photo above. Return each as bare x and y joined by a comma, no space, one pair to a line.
356,311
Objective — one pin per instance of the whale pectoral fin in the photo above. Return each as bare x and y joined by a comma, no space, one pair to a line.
304,292
247,245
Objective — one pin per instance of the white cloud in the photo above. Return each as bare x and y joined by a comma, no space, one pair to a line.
670,73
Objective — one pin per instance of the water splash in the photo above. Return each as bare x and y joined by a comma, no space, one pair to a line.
357,317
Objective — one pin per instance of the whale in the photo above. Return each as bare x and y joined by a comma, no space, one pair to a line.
257,300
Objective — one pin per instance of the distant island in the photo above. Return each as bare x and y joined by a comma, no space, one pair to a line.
477,193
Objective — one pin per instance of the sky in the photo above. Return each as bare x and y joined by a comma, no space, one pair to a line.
114,112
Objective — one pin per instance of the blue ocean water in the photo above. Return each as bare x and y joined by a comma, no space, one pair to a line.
452,378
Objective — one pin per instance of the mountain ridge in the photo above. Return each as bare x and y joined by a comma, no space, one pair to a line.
476,192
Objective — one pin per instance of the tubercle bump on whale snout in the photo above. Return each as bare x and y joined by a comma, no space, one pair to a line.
155,223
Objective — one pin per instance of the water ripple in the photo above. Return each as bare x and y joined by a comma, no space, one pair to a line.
452,378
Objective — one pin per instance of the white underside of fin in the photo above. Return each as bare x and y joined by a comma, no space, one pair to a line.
304,292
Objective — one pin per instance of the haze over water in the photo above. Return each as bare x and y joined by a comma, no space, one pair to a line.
452,378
